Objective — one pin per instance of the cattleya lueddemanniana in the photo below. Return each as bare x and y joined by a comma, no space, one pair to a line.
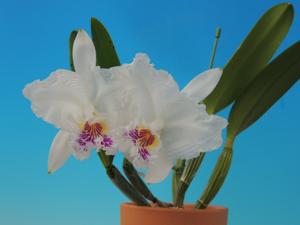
165,124
132,108
82,104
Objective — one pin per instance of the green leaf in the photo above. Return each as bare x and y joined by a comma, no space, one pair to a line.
106,54
271,83
252,56
71,42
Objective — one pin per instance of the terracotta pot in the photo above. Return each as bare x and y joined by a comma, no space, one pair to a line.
137,215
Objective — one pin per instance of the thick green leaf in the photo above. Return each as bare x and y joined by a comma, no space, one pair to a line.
71,42
252,56
271,83
106,54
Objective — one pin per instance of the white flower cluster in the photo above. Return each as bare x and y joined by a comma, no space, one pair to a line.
133,108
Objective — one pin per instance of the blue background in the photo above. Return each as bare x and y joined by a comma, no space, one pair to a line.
263,186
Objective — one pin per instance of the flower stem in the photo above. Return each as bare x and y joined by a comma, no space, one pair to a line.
187,177
193,165
217,178
120,181
139,184
178,170
217,37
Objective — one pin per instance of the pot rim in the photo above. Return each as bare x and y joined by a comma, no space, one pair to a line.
188,208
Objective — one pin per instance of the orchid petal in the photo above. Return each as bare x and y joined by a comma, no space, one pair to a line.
60,151
159,169
145,86
82,154
188,132
84,53
201,86
60,99
183,128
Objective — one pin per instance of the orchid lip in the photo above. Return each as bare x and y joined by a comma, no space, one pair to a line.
144,140
93,135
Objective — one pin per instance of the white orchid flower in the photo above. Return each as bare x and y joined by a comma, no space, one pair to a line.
166,124
79,103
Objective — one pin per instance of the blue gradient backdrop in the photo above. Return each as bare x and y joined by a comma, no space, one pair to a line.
263,186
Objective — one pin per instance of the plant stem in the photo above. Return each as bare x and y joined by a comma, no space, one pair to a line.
217,178
193,165
177,172
187,177
217,37
139,184
120,181
106,160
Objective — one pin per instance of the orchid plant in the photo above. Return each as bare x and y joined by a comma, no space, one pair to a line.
139,111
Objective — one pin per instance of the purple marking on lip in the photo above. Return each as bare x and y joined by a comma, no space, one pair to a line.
107,141
134,135
88,140
144,153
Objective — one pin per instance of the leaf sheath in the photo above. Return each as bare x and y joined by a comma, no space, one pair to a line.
121,183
